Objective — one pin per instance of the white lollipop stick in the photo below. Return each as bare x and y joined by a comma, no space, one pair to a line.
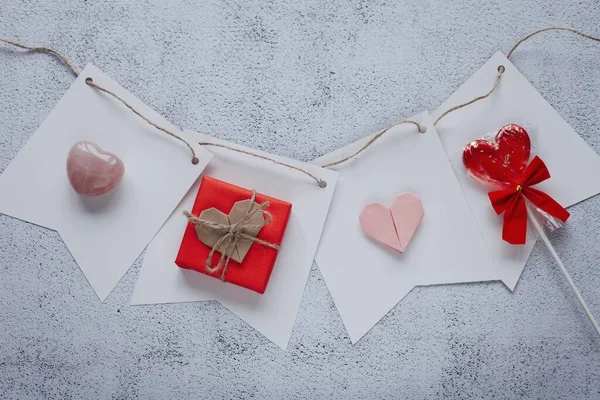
563,269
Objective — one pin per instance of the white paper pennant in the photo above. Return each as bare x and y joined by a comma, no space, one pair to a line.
573,165
105,234
367,279
274,312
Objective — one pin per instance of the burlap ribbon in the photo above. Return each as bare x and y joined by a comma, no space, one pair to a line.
231,235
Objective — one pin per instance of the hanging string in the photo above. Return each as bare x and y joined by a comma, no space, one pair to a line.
421,128
47,50
501,67
90,82
501,70
499,74
550,29
320,182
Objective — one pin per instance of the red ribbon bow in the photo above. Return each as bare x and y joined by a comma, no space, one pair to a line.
511,202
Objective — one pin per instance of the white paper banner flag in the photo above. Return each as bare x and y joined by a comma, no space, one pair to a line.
105,234
367,279
573,165
274,312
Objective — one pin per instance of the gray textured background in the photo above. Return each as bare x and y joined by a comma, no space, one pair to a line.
298,78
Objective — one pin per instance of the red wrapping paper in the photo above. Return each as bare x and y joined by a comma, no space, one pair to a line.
255,270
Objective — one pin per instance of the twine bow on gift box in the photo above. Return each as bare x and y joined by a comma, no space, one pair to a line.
231,235
511,202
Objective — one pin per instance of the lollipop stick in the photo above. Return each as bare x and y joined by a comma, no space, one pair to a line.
563,269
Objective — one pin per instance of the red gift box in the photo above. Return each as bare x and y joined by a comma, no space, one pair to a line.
255,269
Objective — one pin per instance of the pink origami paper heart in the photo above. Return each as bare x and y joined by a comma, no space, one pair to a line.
396,226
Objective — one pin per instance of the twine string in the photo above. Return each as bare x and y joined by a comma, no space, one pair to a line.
499,74
232,233
47,50
89,81
501,68
551,29
421,129
321,183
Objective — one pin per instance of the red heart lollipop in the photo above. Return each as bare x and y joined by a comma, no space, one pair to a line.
502,161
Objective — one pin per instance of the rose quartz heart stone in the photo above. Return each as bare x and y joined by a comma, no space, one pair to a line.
93,171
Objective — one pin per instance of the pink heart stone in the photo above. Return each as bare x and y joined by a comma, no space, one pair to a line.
93,171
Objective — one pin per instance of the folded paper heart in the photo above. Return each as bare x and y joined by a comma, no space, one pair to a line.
231,235
395,226
210,236
93,171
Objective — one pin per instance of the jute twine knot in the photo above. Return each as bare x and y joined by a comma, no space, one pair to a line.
232,233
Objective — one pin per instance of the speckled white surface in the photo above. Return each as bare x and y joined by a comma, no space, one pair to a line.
297,78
